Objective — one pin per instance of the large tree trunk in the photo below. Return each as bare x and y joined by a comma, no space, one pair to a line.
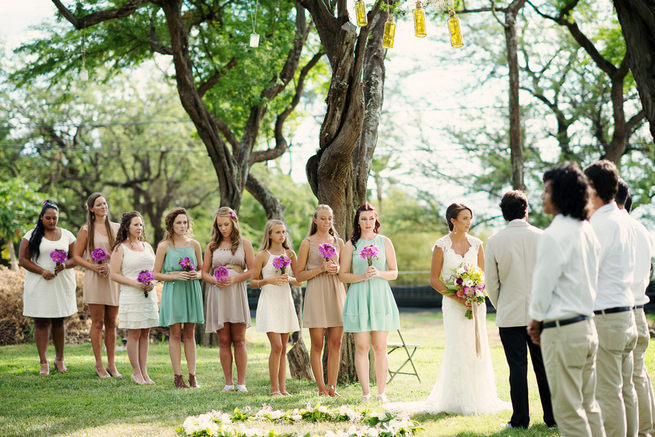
637,18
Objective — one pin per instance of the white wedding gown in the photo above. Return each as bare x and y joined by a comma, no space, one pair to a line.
466,383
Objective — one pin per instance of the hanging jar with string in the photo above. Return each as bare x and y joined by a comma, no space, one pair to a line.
419,21
254,36
389,33
455,30
360,11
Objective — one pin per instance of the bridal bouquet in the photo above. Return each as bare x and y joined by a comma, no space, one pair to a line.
327,251
145,276
368,253
281,262
98,255
467,281
59,256
186,264
221,273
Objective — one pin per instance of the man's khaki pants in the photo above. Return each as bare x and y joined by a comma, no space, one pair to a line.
640,378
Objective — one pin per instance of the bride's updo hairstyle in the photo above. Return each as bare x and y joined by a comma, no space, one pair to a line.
357,230
453,211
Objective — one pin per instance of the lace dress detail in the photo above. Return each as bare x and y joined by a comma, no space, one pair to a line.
466,383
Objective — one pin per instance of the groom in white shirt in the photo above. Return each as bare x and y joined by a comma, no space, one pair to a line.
615,321
509,261
561,306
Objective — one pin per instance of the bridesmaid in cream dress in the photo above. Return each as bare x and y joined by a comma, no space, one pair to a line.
324,296
100,293
228,313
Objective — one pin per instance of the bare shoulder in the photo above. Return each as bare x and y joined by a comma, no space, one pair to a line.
196,245
163,245
291,254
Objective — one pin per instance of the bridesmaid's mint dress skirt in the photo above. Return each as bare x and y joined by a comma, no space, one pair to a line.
370,306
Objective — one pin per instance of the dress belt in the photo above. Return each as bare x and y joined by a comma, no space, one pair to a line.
637,307
613,310
563,322
234,267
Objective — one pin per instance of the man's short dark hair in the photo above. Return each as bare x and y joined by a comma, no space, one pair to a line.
569,190
514,205
604,178
622,193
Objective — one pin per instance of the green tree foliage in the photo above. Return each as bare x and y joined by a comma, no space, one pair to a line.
20,205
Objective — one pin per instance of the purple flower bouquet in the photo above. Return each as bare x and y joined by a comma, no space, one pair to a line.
145,277
98,255
186,264
221,273
369,252
327,251
59,256
281,262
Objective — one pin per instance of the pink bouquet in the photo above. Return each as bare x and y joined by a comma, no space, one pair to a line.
327,251
281,262
369,252
221,273
59,256
98,255
186,264
145,277
467,282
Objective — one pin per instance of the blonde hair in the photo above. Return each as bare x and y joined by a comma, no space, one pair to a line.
235,235
313,228
266,241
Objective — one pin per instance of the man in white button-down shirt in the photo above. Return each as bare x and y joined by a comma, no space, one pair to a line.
615,321
561,306
644,253
509,261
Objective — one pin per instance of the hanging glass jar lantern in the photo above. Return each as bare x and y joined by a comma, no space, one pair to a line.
419,21
360,9
389,33
455,30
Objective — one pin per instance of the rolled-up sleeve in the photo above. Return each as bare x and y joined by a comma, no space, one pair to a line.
547,271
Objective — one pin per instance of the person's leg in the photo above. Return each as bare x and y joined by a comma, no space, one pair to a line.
190,352
59,339
334,356
589,401
238,333
379,342
225,352
282,368
362,345
275,339
111,314
628,388
97,325
174,348
640,377
41,338
542,381
144,338
315,357
133,337
516,353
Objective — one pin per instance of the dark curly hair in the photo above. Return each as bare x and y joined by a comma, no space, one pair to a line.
169,220
604,178
123,233
569,190
623,196
37,234
453,211
514,205
357,230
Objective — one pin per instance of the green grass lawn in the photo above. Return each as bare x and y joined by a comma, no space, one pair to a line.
79,403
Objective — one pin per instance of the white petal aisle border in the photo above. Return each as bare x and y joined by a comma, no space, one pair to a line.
248,423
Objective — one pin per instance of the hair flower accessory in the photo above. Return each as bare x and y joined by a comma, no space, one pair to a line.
86,206
233,215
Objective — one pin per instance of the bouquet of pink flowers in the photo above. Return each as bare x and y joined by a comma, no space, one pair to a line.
467,281
98,255
186,264
221,273
327,251
145,277
59,256
281,262
369,252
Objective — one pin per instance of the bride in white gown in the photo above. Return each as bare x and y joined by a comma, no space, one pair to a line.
466,383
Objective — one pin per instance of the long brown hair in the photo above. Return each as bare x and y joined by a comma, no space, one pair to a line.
90,223
313,228
170,219
235,235
266,241
357,230
123,233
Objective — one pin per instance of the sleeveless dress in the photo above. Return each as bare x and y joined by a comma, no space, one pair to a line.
275,309
370,305
135,311
99,289
466,383
229,305
52,298
181,301
325,294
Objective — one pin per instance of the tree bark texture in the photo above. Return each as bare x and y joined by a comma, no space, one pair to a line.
637,18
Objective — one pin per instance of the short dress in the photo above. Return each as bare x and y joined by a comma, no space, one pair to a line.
229,305
135,311
275,309
181,301
325,294
52,298
370,305
99,289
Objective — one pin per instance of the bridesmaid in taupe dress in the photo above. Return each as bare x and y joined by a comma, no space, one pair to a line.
100,293
228,313
324,297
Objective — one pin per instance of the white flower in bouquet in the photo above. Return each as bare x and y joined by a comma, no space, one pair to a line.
460,271
468,282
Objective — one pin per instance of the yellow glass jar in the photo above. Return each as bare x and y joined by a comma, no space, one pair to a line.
360,10
419,21
455,30
389,33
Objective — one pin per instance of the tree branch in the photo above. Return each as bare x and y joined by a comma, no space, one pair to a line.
98,17
214,78
154,44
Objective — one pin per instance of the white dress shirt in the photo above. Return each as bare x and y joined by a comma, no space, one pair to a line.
566,272
644,251
617,257
509,261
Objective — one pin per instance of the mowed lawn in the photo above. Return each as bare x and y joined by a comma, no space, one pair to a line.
79,403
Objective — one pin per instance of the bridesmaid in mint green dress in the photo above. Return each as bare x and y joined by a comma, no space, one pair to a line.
370,310
178,264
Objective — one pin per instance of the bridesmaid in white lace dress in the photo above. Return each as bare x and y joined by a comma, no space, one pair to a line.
466,383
